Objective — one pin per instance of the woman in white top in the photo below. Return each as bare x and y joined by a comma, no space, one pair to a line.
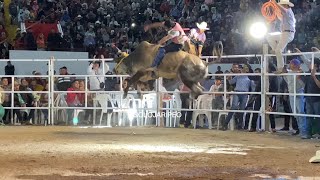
96,82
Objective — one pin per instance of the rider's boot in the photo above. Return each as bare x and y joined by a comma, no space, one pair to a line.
157,61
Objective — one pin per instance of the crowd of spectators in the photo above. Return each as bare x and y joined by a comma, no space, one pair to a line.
92,25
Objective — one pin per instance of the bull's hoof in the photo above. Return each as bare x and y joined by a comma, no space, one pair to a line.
139,94
195,95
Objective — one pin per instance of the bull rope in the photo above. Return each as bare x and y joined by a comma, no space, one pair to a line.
270,11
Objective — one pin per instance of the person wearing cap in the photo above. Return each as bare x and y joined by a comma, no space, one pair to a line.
297,87
217,102
64,82
312,87
198,37
288,28
175,33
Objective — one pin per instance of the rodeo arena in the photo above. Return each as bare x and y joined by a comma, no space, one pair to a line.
160,89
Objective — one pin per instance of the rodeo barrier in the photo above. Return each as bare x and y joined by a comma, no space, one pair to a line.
166,102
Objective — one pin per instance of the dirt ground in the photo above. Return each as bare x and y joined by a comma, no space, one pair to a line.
152,153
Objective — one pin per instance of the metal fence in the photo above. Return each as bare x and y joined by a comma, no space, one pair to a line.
52,92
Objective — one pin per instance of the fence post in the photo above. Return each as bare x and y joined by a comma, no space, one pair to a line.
51,80
264,88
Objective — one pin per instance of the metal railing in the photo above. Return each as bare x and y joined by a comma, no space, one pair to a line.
264,86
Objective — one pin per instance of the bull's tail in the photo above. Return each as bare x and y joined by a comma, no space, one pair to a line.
218,50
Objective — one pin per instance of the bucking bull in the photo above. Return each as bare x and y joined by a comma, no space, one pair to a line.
188,68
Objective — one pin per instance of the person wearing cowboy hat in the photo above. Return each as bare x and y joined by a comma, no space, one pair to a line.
288,28
198,37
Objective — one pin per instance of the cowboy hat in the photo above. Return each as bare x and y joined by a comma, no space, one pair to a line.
316,158
202,25
287,2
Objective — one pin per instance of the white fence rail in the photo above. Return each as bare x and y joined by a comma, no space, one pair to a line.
52,93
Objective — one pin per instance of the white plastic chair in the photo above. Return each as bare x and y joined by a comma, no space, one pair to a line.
203,102
103,100
60,101
123,107
177,104
221,113
149,101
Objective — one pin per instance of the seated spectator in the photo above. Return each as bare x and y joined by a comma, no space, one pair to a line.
18,102
64,82
13,11
110,82
7,99
78,43
44,102
29,41
5,47
41,43
75,99
3,30
29,100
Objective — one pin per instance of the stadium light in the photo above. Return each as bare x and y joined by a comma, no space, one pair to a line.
258,30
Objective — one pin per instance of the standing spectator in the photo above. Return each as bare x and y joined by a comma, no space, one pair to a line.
243,84
218,101
219,70
256,100
186,117
96,82
9,69
312,87
287,109
303,123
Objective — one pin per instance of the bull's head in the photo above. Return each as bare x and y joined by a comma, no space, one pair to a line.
120,67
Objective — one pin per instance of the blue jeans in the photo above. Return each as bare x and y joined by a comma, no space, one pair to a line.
313,108
239,100
303,123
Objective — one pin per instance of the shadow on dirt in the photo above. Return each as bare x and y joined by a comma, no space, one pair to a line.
86,134
60,177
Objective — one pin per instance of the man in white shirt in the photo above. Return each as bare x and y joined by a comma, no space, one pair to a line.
288,27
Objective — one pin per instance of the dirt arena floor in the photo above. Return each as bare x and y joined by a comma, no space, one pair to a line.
152,153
